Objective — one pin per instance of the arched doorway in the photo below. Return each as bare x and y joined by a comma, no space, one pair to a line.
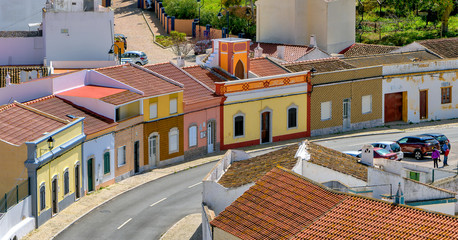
239,70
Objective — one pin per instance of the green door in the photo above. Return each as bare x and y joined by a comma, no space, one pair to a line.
90,183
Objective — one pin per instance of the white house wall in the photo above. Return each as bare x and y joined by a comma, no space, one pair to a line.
412,84
98,79
95,105
322,174
16,15
447,208
26,91
18,221
68,81
21,50
78,36
341,25
95,149
217,197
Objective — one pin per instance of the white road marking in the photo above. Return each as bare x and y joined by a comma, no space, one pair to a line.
122,225
194,185
157,202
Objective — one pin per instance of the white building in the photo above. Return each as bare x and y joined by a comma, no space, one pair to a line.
294,21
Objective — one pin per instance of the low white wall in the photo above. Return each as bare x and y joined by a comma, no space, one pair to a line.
26,91
98,79
18,221
322,174
217,197
21,51
447,208
82,64
95,105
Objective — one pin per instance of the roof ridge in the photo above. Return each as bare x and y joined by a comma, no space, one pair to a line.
110,67
192,66
7,106
192,77
312,60
44,114
39,99
278,65
158,75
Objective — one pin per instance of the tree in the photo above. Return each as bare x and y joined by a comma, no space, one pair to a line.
180,45
181,9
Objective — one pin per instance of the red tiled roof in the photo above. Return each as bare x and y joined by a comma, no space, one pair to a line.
278,206
320,65
285,205
362,49
139,78
264,67
61,108
203,75
444,47
193,90
122,97
95,92
292,52
19,125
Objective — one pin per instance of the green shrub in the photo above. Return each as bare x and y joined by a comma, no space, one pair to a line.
181,9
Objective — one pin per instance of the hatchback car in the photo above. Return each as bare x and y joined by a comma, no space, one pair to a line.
418,145
136,57
353,153
441,138
390,146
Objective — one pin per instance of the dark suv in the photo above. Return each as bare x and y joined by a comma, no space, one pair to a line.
441,138
419,145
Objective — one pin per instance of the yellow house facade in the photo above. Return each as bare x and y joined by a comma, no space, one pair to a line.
54,169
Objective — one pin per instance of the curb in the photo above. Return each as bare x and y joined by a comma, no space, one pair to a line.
151,30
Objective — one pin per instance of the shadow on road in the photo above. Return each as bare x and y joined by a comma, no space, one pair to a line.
197,234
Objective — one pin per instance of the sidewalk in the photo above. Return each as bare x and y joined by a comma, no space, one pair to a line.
181,230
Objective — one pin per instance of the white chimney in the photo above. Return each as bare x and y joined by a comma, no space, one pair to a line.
367,155
7,79
258,51
281,52
180,62
312,41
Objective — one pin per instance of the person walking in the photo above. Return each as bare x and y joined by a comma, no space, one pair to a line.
435,156
446,151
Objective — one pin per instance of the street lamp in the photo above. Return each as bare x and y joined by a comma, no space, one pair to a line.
50,143
220,15
200,6
111,51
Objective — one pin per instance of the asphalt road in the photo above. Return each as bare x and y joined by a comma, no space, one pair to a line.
355,143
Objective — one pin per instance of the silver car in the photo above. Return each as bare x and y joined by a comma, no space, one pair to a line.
136,57
390,146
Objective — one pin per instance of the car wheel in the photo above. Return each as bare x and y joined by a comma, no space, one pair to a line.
418,155
138,63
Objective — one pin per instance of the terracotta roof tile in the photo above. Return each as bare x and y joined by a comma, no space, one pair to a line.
390,58
19,125
362,49
320,65
194,90
278,206
61,108
140,79
444,47
292,52
121,97
203,75
264,67
285,205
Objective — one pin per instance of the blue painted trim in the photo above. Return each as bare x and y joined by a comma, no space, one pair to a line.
431,202
45,138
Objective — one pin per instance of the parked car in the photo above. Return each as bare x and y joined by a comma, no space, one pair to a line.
441,138
136,57
418,145
353,153
390,146
383,153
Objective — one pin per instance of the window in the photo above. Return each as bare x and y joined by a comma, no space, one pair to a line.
446,95
42,197
415,176
121,156
66,183
193,136
239,126
292,117
325,111
152,110
366,104
173,105
173,140
106,162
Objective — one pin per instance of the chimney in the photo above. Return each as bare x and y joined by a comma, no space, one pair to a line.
281,52
312,41
258,51
180,62
399,198
367,155
7,79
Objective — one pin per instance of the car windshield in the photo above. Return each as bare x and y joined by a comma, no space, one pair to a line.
395,147
383,152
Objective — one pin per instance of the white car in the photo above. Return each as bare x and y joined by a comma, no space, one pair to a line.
136,57
390,146
353,153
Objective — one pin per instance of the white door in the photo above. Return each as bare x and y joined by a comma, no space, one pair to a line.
210,141
153,150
